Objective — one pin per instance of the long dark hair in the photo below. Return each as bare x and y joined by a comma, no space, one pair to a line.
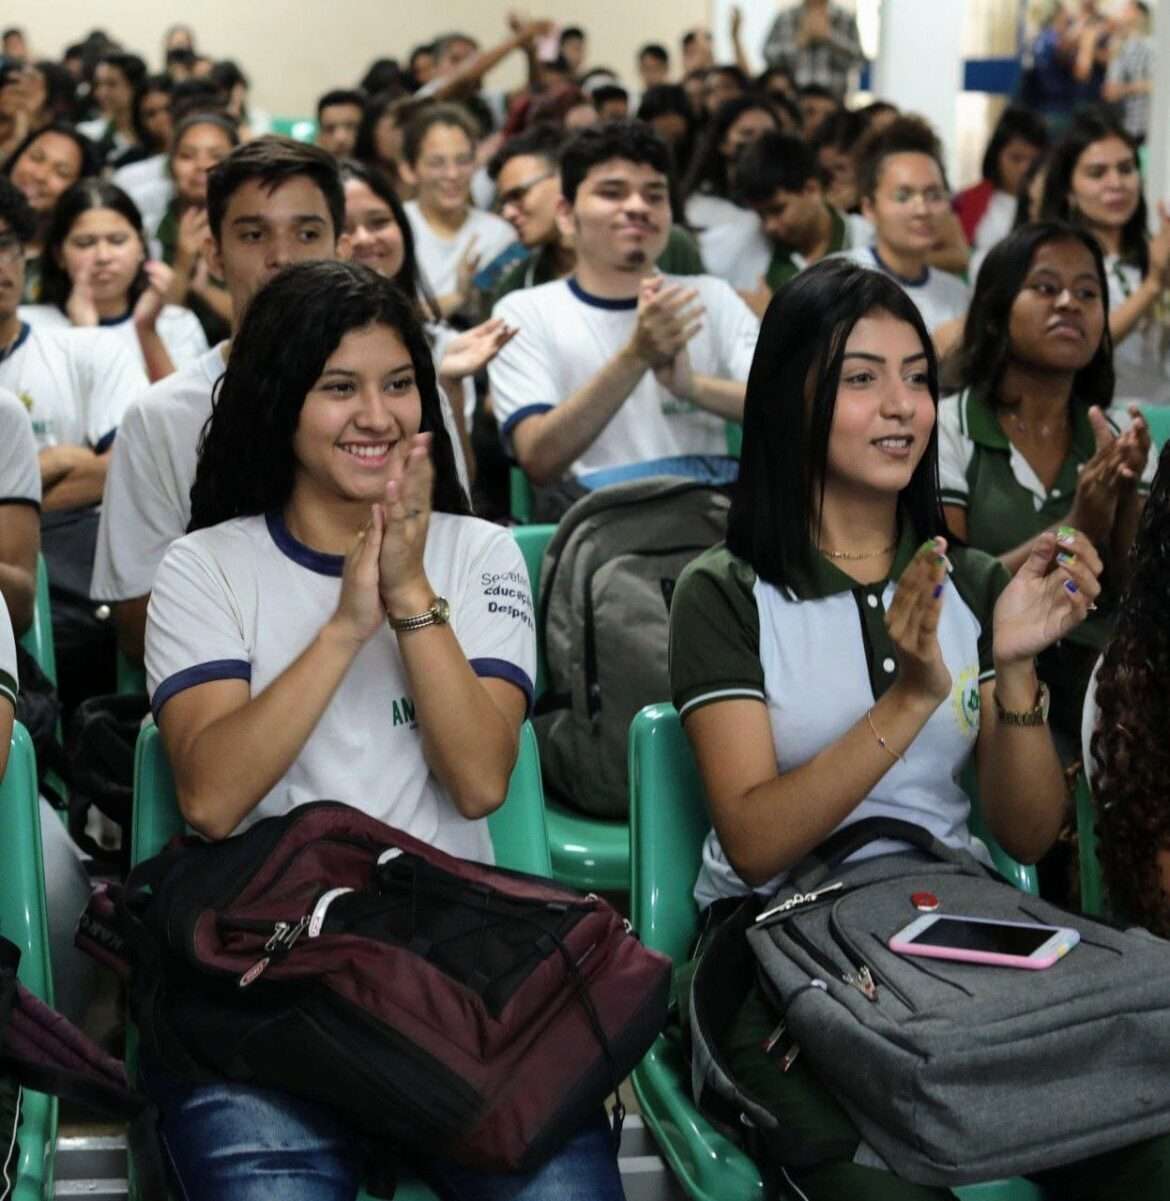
290,328
1088,127
86,150
83,197
1129,745
708,171
986,346
1015,122
409,277
788,415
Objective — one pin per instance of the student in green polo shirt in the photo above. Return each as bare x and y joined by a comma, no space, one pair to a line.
828,668
778,176
1029,446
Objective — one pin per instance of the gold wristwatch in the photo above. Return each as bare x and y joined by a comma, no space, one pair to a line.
439,614
1036,716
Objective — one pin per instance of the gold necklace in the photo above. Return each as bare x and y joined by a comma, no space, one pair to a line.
853,557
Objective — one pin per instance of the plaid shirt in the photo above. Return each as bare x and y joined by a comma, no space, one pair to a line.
1134,64
828,63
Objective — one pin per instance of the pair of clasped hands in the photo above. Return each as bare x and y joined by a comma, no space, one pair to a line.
383,576
1051,593
669,316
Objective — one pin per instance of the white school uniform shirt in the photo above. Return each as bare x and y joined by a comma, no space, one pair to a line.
1140,361
939,296
75,383
149,184
438,258
147,501
9,681
178,327
20,473
731,240
243,599
566,336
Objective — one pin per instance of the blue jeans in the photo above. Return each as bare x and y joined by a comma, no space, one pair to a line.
231,1142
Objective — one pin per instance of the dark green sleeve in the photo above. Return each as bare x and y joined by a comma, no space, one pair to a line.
510,281
681,256
715,633
979,579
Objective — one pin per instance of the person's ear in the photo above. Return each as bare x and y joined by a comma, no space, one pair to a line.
214,256
345,247
566,226
408,173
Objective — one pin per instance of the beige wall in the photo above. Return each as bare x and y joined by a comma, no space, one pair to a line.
293,50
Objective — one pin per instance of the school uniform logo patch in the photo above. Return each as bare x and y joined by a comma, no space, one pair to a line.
965,701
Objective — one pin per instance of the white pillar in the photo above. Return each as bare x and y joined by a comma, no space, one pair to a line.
1158,173
919,65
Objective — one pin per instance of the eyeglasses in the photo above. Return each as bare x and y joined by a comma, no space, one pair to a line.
11,248
516,195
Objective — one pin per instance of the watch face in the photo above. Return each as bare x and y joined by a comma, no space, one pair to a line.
442,610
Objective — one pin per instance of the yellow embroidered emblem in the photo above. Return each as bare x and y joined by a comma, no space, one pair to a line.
965,701
26,400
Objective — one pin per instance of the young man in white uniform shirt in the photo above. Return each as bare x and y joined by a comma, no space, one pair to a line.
904,196
619,365
271,202
20,511
75,384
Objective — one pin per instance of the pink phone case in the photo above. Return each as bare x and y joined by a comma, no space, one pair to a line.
988,957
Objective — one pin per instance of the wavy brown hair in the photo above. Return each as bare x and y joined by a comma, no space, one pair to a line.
1131,742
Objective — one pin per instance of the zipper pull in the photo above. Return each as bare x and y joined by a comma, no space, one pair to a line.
790,1057
863,981
773,1038
797,900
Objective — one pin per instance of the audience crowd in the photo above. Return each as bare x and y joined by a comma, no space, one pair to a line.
262,400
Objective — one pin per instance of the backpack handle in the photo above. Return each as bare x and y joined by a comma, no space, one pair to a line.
847,841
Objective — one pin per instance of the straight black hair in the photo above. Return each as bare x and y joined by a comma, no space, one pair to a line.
986,346
1015,123
788,416
90,162
708,171
83,197
341,96
1088,127
774,162
291,327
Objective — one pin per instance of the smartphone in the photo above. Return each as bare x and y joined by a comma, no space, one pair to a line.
985,940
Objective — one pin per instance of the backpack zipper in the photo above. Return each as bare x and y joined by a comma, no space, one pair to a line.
864,978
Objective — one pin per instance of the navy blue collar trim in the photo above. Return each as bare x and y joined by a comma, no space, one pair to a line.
298,552
21,339
601,302
107,321
924,278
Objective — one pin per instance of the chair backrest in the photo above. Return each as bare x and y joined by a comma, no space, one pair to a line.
518,832
532,541
668,823
38,638
1158,419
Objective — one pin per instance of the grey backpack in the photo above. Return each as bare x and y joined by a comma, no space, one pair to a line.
952,1072
605,590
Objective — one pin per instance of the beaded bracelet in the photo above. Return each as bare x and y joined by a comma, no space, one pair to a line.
881,741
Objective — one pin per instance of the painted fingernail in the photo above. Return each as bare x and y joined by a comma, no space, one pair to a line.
1066,535
1092,608
937,591
1071,586
1066,557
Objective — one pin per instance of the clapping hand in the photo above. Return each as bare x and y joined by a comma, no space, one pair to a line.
473,349
912,622
1049,596
402,581
81,307
669,316
160,279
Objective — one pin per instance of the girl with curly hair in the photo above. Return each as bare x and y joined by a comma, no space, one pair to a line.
1127,720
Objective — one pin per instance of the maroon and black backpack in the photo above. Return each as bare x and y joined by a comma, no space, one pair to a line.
448,1007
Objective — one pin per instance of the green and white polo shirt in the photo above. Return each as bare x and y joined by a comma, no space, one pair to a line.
819,657
981,472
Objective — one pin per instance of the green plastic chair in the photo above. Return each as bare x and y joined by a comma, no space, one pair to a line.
589,853
301,129
38,638
734,438
1158,419
131,677
519,496
24,920
517,828
668,822
1089,864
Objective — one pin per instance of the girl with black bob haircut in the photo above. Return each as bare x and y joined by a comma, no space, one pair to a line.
257,404
337,625
97,271
1031,443
1128,720
829,665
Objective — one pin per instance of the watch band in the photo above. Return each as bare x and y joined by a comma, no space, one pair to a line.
1036,716
437,615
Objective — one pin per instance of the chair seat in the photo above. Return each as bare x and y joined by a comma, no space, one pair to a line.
590,853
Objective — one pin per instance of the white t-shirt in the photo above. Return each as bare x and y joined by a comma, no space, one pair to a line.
566,336
147,500
149,185
438,258
242,600
20,473
75,383
9,683
731,240
178,328
939,296
1140,361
